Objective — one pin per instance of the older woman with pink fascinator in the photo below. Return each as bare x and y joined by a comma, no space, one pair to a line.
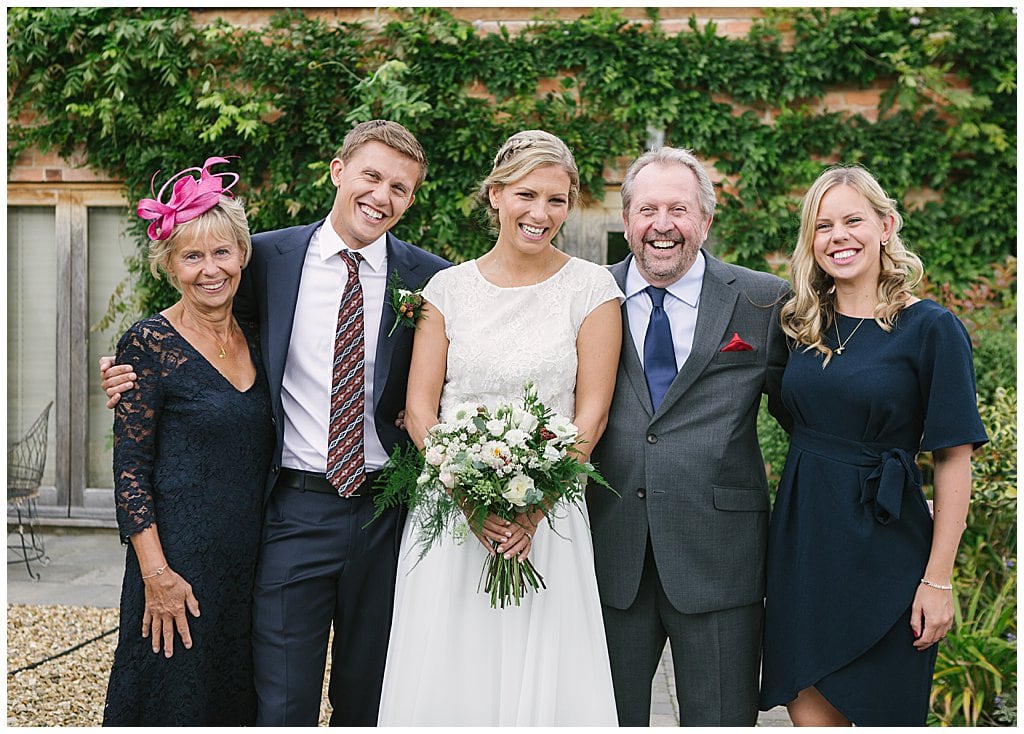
192,445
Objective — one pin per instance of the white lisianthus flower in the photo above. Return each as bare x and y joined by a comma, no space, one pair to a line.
447,479
495,427
552,454
517,489
516,437
524,419
435,456
564,430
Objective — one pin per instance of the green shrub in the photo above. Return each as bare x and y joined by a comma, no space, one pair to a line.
977,662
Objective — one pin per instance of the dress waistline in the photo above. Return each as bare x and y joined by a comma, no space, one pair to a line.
893,470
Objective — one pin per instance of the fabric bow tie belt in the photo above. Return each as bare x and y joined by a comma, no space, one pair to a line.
894,472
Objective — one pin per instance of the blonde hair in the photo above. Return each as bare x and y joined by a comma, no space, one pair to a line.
812,309
522,154
226,219
395,136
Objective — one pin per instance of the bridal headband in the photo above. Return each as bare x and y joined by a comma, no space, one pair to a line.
190,197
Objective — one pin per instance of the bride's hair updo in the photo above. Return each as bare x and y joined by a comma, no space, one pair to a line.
522,154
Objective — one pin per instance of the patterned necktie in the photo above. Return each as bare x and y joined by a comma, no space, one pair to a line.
345,436
659,354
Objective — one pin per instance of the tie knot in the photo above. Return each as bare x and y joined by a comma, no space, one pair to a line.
351,258
657,295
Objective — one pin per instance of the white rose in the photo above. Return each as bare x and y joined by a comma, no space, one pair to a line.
435,456
447,479
517,489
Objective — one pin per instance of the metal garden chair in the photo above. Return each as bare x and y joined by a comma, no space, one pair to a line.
26,460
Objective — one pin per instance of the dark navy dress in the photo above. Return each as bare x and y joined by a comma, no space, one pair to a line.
850,531
191,454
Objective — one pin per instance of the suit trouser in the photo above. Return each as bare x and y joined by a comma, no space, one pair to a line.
318,566
716,657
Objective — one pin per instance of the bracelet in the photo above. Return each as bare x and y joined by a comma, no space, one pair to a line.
159,572
940,587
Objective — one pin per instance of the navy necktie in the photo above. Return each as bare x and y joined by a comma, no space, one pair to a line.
659,354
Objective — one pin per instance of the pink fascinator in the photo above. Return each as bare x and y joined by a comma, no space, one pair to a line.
190,197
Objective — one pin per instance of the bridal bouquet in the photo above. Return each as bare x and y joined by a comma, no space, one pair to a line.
516,458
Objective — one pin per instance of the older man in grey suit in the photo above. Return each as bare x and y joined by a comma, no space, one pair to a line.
680,551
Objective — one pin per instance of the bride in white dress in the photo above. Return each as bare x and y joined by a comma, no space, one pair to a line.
523,312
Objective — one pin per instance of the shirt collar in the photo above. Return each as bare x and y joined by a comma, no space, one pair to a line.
375,254
686,289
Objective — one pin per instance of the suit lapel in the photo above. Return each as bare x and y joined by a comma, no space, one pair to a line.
717,303
406,271
283,273
629,359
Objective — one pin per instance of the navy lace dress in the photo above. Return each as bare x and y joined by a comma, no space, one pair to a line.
850,532
191,454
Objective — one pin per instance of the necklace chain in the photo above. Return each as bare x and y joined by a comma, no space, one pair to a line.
221,345
842,342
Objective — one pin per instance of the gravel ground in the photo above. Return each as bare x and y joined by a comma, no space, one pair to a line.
68,690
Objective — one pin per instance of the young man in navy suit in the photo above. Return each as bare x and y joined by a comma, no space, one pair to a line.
322,563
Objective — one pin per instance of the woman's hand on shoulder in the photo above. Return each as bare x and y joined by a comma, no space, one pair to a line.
115,379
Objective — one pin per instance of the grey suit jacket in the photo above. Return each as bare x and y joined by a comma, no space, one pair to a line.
691,475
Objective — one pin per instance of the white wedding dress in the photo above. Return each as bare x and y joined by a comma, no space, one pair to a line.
452,659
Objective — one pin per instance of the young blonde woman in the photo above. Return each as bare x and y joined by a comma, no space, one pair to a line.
859,573
524,311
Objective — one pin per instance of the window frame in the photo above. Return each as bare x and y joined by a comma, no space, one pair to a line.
70,496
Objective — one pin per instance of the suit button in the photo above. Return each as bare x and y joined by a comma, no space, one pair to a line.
641,493
651,438
275,468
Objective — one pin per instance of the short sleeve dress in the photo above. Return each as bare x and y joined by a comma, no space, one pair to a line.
851,532
191,454
452,659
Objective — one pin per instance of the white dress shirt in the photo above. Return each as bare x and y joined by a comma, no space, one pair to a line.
681,302
306,387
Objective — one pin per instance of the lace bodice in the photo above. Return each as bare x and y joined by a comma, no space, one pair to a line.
501,338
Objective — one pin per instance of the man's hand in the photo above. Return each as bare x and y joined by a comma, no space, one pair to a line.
116,379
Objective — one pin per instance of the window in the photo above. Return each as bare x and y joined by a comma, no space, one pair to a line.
66,255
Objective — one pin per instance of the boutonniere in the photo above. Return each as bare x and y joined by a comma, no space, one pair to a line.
407,304
737,345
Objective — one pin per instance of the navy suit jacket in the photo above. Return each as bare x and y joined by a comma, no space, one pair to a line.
267,295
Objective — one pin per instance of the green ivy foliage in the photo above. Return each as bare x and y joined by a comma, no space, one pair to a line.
135,90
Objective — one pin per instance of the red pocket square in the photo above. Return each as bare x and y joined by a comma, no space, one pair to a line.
737,345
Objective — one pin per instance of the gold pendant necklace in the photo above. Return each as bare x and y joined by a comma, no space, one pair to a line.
842,343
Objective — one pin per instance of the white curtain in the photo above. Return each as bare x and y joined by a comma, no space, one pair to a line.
31,322
109,247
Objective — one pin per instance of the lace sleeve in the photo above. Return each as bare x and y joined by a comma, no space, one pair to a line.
135,419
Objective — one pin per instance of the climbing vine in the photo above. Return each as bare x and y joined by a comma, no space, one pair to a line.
135,90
